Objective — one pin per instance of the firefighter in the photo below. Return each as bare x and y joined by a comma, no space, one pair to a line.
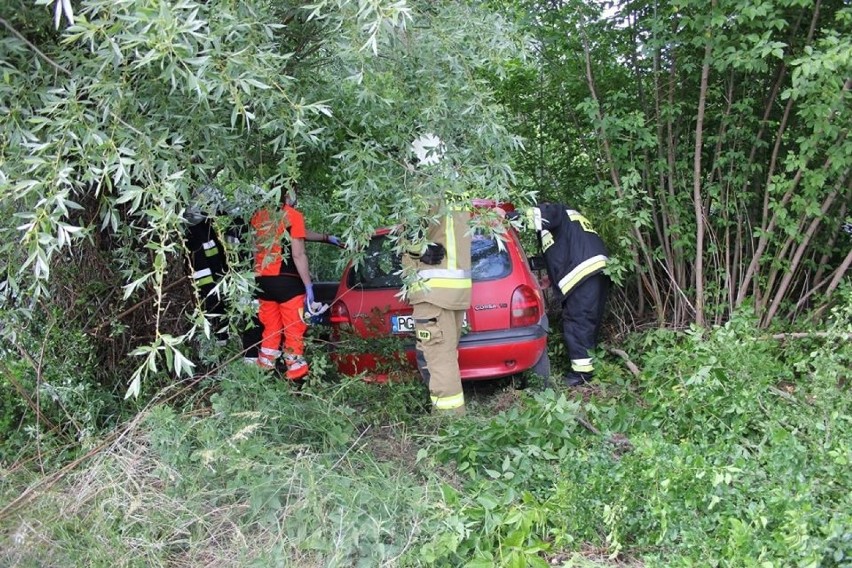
207,256
575,257
440,295
284,284
235,239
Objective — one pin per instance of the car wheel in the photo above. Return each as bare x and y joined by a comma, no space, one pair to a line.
542,366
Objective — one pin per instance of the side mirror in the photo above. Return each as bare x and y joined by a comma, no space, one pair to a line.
537,263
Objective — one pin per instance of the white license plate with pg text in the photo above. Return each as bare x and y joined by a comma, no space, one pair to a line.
402,324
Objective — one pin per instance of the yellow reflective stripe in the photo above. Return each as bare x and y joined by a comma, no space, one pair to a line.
205,280
582,365
454,283
582,270
452,257
533,216
578,218
210,248
442,273
448,402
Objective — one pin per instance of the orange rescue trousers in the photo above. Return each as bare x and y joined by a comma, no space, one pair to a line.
283,324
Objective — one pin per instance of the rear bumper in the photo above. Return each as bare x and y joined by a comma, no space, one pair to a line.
493,354
482,355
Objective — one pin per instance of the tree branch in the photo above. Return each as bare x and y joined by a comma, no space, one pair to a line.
627,362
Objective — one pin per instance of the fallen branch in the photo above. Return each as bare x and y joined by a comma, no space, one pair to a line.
138,304
587,425
627,362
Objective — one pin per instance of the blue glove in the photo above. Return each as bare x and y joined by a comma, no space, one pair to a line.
309,294
334,240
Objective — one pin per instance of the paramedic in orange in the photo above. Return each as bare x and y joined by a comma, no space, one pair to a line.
284,285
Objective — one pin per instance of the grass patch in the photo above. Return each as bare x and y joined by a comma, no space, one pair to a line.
727,450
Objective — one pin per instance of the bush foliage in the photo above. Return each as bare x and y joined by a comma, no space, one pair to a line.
731,450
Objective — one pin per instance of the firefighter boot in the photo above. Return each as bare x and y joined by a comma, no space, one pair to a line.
297,367
575,379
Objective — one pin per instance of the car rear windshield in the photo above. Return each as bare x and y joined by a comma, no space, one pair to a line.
381,266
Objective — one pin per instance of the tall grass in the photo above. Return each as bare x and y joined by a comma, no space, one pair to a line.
729,449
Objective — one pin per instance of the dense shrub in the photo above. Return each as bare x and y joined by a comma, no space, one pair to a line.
736,453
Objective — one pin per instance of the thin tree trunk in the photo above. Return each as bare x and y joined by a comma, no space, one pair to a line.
679,273
616,179
839,274
797,256
833,239
696,184
766,224
662,222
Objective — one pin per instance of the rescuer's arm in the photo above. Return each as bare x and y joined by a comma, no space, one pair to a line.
300,259
313,236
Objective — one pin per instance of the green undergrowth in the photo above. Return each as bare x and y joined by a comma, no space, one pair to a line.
729,449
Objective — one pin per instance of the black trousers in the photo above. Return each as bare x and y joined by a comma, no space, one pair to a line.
251,337
206,272
582,313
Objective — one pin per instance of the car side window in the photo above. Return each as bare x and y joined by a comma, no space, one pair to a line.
380,268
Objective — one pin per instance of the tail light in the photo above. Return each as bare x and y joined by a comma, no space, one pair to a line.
340,316
526,309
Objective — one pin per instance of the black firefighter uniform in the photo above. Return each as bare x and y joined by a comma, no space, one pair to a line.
440,296
575,256
208,264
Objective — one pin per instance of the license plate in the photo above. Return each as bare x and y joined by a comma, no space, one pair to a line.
405,324
402,324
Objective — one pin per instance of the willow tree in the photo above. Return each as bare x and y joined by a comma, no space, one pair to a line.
115,111
708,138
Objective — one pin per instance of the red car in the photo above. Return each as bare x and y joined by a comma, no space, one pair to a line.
506,325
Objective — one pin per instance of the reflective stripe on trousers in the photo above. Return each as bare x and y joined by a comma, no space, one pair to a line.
266,357
448,402
210,248
437,331
582,365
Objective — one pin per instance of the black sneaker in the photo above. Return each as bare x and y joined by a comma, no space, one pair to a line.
574,379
